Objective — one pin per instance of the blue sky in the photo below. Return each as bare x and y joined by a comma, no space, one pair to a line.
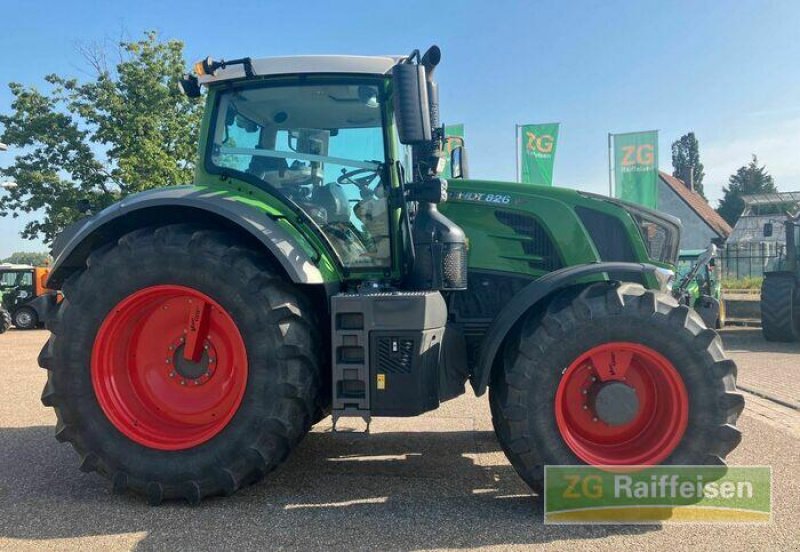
730,71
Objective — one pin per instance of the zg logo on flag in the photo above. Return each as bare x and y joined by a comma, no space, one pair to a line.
638,155
540,144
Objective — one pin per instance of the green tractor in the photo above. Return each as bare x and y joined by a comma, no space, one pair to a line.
780,291
699,286
314,268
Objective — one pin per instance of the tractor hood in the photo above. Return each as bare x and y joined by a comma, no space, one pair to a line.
555,227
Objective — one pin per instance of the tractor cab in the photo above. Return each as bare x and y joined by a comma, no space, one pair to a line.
323,146
345,142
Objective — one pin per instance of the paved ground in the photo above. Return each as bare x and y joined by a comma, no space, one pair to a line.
771,369
433,482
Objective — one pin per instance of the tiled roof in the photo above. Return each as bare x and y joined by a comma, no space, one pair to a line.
699,205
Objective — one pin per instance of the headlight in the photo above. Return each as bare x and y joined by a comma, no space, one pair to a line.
666,279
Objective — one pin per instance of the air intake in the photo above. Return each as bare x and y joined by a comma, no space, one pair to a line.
441,251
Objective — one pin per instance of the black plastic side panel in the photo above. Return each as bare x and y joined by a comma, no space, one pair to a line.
386,351
71,248
528,297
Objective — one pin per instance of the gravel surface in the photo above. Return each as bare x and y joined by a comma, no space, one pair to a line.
438,481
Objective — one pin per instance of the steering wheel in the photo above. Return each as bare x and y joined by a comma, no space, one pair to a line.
361,178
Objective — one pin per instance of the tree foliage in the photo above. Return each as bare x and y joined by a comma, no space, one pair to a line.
749,179
33,258
126,129
685,159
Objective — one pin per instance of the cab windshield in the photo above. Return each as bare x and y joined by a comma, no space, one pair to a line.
320,145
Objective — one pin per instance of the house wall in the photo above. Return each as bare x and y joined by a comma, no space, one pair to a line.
696,234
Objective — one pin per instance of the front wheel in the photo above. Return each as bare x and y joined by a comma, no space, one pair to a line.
181,364
26,319
614,375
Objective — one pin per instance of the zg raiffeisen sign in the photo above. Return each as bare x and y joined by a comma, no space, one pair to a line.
651,494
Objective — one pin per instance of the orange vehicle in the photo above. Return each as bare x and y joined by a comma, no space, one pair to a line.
25,296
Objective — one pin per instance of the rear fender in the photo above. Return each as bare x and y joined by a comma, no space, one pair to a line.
179,204
532,295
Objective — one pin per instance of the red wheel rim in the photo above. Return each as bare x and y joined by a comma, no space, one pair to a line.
657,424
169,367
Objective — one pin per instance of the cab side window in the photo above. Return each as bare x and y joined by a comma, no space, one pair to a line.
321,146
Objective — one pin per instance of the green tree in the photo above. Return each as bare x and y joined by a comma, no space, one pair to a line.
749,179
686,159
90,143
33,258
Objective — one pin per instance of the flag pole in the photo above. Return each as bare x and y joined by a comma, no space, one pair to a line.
516,156
610,179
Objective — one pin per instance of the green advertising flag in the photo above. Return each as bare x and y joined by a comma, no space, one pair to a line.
636,167
536,153
451,130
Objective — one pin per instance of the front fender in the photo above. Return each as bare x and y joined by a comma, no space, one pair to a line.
529,296
73,246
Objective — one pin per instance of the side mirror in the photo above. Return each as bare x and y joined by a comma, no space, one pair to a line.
767,229
411,106
458,162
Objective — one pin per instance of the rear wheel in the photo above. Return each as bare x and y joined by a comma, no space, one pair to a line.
780,307
26,319
181,364
614,375
5,320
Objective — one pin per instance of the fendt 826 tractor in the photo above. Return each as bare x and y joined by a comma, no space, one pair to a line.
314,268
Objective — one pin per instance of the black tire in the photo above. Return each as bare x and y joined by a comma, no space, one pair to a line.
780,308
26,319
279,332
5,320
523,387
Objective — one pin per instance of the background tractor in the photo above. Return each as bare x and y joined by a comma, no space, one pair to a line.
25,295
698,285
314,268
780,292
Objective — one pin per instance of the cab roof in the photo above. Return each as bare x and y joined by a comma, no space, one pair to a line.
294,65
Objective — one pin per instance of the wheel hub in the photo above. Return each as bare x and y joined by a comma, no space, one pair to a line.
189,372
23,318
615,403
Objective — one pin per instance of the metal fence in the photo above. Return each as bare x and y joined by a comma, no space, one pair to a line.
743,260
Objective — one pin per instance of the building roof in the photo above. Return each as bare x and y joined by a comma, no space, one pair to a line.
699,205
776,198
294,65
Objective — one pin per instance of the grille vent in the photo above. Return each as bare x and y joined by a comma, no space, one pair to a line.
540,244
